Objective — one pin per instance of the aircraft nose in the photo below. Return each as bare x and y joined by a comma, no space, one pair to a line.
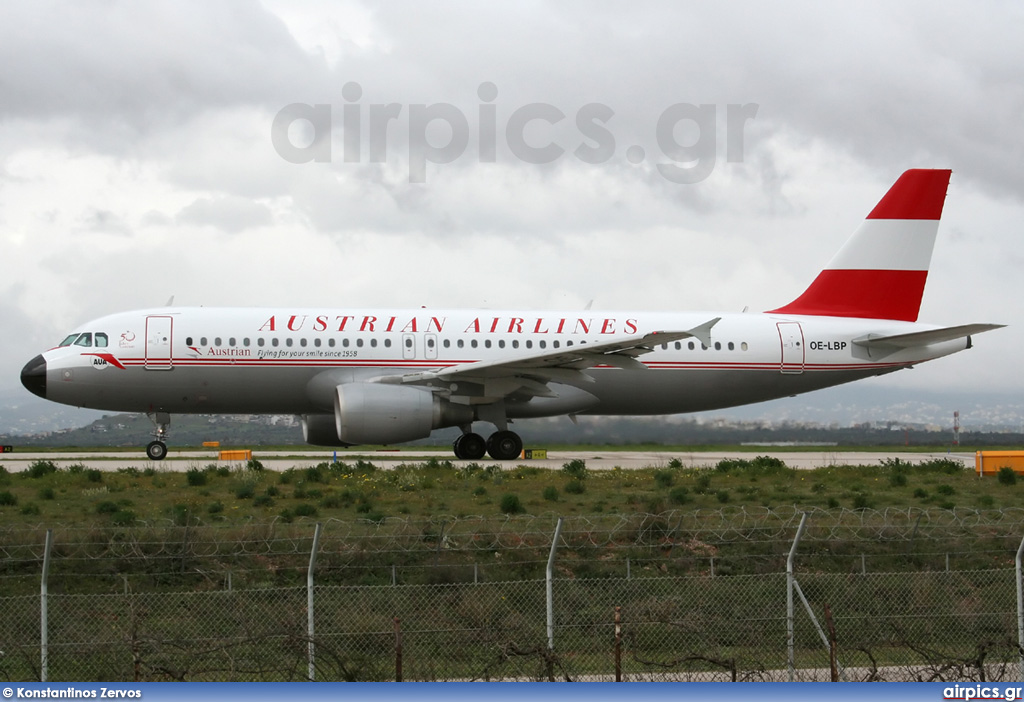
33,376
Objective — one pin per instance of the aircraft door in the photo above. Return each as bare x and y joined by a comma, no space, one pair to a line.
430,345
792,338
408,346
158,342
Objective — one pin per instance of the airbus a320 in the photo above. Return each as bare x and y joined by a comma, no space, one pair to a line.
388,376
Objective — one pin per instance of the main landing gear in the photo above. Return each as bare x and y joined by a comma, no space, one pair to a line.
501,445
157,450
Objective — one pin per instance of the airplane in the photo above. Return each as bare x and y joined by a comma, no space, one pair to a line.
389,376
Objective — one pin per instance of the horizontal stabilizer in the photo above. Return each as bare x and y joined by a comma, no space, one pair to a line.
924,338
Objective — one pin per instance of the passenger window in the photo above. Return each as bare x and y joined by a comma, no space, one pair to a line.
245,341
568,343
679,345
554,344
101,340
188,341
529,344
359,343
543,344
732,346
408,343
447,343
690,346
316,342
202,341
275,341
330,342
231,341
473,343
743,346
344,342
289,341
430,343
718,346
216,342
487,343
387,343
303,342
460,343
373,343
501,344
84,340
260,341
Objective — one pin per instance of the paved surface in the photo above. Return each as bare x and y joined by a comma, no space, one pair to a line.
596,460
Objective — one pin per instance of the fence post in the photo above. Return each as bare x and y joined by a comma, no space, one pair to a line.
1020,608
618,644
398,650
44,638
550,588
311,650
790,641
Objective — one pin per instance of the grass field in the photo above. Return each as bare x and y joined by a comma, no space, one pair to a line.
84,495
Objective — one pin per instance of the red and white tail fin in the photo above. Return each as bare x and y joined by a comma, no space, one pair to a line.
881,270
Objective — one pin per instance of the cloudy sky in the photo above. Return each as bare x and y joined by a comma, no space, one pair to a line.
158,149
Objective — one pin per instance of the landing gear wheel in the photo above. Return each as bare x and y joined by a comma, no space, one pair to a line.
470,447
504,445
156,450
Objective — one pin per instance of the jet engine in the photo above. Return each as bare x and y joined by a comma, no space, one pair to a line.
373,413
321,430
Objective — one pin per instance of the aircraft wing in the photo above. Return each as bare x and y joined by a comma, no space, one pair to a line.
530,373
923,338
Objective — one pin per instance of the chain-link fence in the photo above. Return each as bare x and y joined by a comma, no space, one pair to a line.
925,595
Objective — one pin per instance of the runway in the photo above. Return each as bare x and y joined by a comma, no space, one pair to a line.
596,460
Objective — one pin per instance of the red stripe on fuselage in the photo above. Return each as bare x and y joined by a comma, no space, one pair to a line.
918,194
859,293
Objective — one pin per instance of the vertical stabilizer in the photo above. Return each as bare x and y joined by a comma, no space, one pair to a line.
881,270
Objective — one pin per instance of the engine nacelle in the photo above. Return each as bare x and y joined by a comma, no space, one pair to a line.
374,413
321,430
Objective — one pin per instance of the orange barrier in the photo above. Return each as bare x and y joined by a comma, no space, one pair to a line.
991,462
239,455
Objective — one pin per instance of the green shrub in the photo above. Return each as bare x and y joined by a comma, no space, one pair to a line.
511,504
575,487
245,491
47,493
945,489
722,496
94,475
551,493
703,484
107,507
123,517
861,501
8,499
480,491
576,468
920,493
31,509
38,469
304,509
195,477
215,508
679,495
663,478
253,464
675,463
1007,476
263,501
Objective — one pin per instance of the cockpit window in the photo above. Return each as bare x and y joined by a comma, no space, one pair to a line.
84,339
101,340
68,341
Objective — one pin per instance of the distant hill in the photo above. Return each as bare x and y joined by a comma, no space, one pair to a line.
134,430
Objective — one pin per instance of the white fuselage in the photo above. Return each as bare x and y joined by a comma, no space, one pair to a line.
250,360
